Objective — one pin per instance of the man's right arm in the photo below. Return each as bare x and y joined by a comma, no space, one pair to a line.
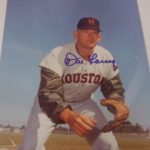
50,94
51,100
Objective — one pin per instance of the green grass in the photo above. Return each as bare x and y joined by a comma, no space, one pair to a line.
73,142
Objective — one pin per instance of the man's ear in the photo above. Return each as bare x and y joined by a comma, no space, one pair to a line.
99,38
75,34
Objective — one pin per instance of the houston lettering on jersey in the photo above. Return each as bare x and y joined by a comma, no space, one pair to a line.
82,78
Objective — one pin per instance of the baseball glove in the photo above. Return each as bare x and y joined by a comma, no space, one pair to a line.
120,111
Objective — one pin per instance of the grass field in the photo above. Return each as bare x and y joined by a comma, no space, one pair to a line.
73,142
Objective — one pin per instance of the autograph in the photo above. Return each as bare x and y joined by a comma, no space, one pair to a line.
72,59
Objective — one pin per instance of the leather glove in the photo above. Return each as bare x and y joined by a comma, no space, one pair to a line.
120,111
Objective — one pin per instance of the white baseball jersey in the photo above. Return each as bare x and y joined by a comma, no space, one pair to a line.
80,77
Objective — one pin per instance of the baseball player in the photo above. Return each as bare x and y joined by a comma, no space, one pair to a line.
70,74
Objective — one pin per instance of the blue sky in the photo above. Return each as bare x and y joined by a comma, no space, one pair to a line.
33,27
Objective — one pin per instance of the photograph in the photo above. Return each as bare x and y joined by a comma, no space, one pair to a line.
74,75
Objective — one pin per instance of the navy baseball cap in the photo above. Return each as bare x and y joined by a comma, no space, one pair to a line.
89,23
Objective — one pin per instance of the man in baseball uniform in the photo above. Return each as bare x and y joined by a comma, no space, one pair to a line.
70,74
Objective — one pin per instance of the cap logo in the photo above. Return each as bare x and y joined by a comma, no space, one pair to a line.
91,21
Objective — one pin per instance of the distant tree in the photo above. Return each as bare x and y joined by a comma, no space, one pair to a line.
147,131
8,126
138,128
22,127
125,127
128,127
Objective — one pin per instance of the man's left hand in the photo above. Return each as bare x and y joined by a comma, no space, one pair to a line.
120,111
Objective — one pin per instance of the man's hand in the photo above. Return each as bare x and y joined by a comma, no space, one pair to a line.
81,124
120,111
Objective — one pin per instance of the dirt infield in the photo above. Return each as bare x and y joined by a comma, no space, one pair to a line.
10,140
8,148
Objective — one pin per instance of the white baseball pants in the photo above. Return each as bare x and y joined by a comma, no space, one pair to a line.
39,127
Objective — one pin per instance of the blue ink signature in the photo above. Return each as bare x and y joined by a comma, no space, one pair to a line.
72,59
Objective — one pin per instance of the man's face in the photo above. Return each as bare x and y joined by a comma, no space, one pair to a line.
87,38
